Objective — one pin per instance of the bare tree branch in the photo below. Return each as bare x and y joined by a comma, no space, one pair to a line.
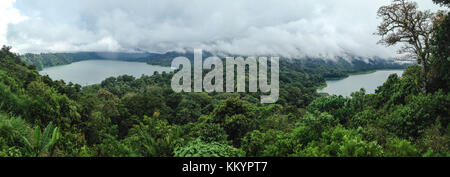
403,23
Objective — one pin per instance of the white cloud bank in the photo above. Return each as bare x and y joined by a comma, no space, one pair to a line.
8,15
291,28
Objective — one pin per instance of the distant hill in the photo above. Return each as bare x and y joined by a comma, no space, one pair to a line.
43,60
334,68
340,67
53,59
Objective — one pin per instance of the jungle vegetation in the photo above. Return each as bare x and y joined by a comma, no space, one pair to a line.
123,116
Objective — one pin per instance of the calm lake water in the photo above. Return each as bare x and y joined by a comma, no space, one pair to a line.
95,71
370,82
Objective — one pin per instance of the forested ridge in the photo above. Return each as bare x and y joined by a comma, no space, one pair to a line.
125,116
336,68
43,60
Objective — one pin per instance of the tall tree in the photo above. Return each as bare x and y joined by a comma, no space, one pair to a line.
442,2
440,64
404,24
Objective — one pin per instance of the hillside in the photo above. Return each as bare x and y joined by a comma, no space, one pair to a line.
125,116
329,68
44,60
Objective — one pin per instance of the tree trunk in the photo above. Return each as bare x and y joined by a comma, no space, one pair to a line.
424,78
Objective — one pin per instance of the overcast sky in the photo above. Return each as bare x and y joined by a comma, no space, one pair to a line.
290,28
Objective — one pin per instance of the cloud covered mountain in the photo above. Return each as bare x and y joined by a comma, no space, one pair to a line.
289,28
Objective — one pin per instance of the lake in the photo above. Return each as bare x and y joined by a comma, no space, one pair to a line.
95,71
354,83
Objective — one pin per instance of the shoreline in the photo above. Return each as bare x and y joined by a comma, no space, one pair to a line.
100,60
321,88
360,73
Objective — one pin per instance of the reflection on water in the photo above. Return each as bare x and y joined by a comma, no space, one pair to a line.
370,82
94,71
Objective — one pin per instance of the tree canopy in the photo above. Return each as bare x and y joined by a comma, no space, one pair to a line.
142,117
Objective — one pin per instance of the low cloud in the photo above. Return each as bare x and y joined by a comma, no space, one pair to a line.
290,28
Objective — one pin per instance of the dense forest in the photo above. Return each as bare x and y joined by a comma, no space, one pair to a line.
142,117
336,68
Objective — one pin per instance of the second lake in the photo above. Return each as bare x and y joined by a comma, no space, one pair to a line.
354,83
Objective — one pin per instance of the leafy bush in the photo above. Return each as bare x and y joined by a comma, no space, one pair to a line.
199,148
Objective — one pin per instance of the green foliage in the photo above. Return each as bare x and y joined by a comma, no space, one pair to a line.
273,143
420,112
440,74
281,144
341,142
43,142
236,117
111,147
155,138
435,142
400,148
198,148
142,117
12,131
10,101
208,132
395,90
338,106
191,107
254,143
311,125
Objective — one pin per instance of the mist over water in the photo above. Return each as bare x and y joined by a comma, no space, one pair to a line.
95,71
